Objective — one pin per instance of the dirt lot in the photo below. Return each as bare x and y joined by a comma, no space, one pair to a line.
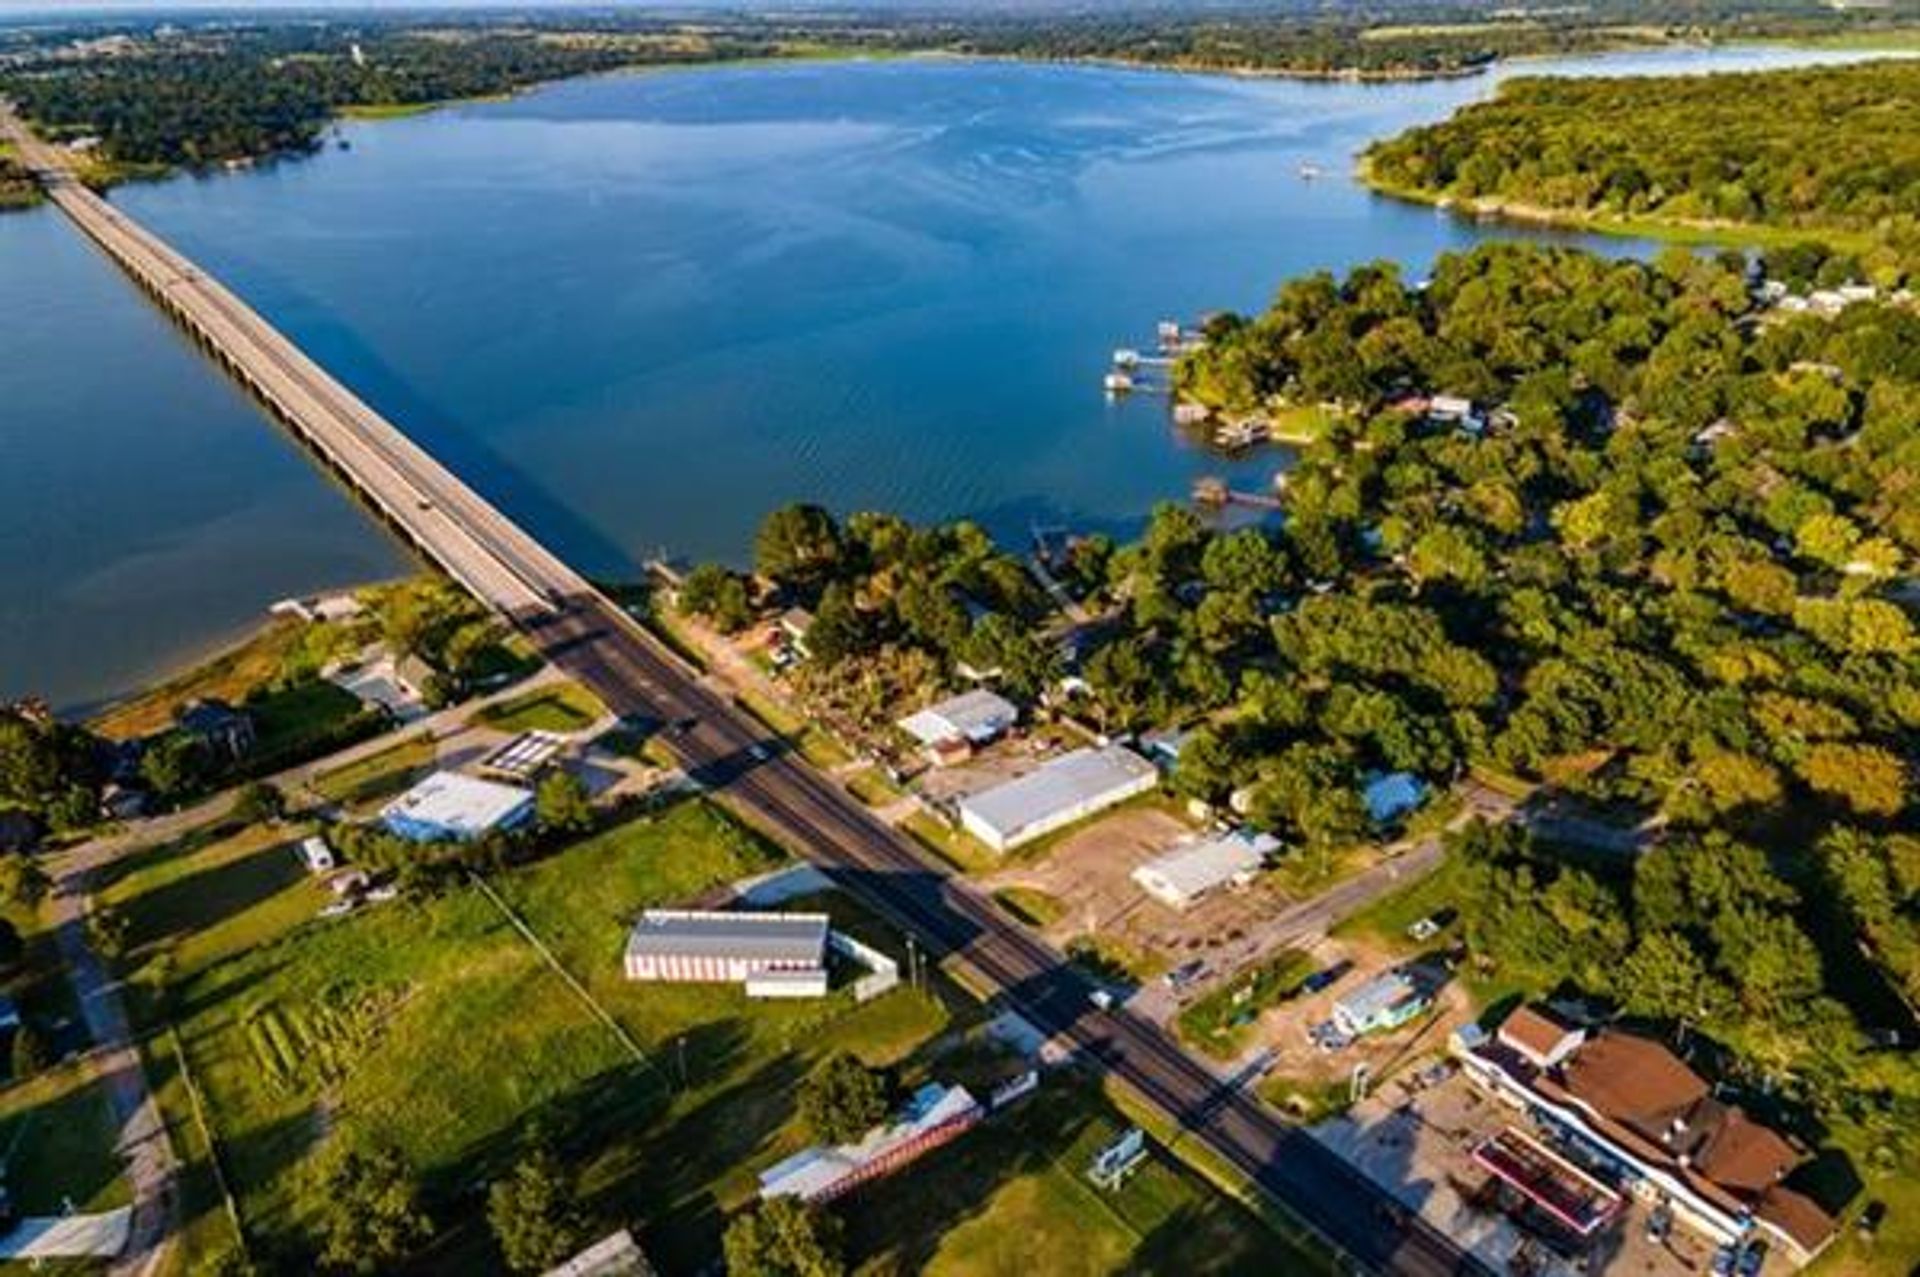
1301,1069
1086,877
1004,760
1416,1141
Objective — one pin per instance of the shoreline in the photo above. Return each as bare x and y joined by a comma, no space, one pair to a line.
1666,231
105,174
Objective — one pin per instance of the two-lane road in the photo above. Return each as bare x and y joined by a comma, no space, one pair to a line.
730,752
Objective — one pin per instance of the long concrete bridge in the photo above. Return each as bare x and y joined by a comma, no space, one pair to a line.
580,630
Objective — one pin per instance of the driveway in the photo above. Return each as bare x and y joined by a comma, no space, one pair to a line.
153,1220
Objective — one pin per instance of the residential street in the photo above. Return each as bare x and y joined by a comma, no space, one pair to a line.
144,1141
1312,919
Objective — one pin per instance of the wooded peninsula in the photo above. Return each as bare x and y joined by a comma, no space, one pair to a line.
1832,152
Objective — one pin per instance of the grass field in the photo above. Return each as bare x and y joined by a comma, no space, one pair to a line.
57,1143
1031,905
567,707
1011,1199
1221,1022
438,1026
378,775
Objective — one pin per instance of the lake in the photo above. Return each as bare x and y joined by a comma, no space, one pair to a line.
638,311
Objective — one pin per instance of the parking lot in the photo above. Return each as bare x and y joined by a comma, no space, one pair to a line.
1415,1139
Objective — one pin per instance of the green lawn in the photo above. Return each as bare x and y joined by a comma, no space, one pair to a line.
1110,959
1011,1199
1387,919
378,775
1031,905
1219,1023
1302,424
567,707
57,1143
302,721
436,1025
813,742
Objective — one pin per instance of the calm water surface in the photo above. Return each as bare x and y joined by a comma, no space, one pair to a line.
640,310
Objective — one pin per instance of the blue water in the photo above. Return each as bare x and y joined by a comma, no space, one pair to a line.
640,310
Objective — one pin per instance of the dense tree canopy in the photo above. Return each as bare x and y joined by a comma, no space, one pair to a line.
1826,149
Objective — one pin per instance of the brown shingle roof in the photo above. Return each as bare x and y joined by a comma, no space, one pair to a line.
1533,1032
1735,1151
1634,1081
1797,1216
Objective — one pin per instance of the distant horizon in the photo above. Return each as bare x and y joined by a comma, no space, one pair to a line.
20,9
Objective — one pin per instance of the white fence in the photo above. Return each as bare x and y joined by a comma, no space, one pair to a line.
883,973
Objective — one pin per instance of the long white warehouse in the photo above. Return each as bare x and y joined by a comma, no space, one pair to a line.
1061,791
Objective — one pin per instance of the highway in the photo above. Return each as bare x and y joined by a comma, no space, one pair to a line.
586,634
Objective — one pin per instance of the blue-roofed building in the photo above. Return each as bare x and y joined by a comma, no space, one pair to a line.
1391,795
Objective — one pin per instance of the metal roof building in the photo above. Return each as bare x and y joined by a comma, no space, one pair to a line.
975,717
452,807
772,954
1387,1001
1392,795
616,1256
1058,793
933,1116
1185,874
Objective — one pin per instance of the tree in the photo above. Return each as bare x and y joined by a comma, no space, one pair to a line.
370,1216
174,766
31,1052
1868,779
798,544
561,803
23,883
842,1099
532,1213
1206,768
840,630
783,1237
12,947
720,596
29,764
108,931
258,803
1664,978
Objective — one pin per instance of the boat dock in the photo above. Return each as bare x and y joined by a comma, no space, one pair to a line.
1211,490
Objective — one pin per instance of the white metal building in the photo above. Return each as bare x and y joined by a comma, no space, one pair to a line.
935,1115
976,717
1187,874
1059,792
773,955
454,807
